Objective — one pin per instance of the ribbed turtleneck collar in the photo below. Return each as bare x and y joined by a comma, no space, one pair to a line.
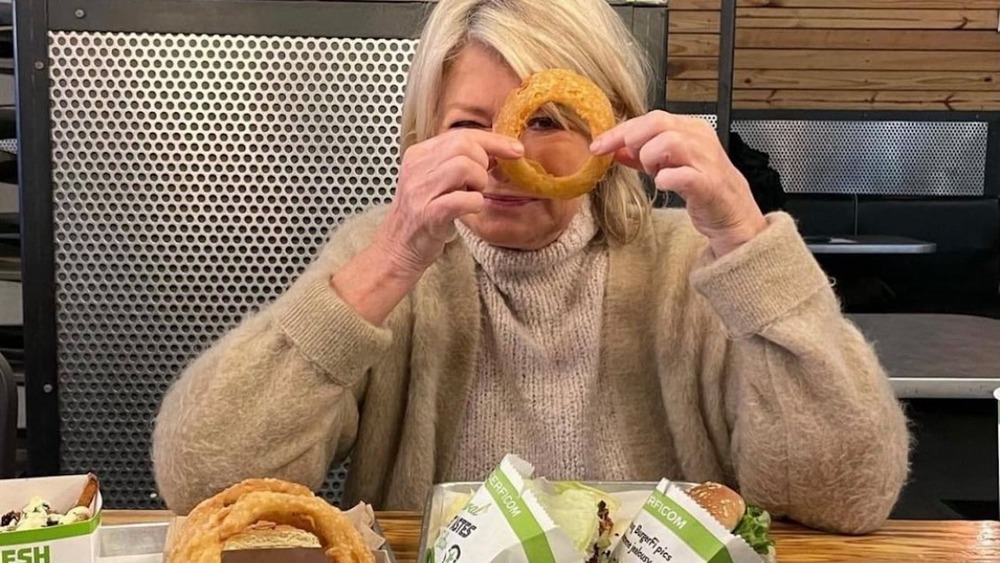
499,263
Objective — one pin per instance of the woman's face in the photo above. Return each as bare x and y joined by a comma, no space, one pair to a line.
475,87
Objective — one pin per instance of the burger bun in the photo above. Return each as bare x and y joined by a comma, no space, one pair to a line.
265,535
723,503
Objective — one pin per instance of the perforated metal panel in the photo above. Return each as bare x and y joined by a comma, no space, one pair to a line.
194,177
709,117
873,157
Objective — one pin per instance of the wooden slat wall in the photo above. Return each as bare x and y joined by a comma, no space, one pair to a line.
841,54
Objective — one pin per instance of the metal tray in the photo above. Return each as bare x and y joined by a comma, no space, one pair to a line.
145,543
132,542
433,507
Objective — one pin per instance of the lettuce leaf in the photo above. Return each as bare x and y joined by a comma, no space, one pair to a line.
573,507
754,528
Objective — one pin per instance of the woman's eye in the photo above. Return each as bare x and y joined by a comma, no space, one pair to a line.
543,123
467,125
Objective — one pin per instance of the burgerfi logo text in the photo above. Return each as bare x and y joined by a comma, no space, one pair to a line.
26,555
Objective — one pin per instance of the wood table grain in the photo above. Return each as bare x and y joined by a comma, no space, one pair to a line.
909,541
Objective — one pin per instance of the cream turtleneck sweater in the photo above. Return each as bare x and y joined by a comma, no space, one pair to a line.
739,369
536,367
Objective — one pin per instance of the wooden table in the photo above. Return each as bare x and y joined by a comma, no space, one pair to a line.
906,541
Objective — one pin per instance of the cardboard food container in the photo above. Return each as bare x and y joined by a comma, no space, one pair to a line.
673,527
63,543
514,517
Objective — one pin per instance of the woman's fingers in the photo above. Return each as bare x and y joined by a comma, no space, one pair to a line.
675,150
457,173
636,132
457,160
481,147
665,150
478,145
440,180
683,180
626,157
684,156
442,211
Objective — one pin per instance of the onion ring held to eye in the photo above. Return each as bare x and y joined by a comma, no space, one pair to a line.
203,535
569,89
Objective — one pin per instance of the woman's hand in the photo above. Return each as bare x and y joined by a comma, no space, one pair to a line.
683,155
440,180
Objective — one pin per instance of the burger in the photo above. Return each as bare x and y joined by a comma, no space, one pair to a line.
585,514
749,522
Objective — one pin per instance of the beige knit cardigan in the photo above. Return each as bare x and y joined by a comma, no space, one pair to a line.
740,369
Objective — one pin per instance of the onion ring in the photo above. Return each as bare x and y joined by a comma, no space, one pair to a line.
210,513
232,494
574,91
340,540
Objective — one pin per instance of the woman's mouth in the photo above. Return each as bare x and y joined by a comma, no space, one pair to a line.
507,201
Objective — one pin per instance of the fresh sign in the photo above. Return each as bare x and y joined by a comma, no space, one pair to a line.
37,554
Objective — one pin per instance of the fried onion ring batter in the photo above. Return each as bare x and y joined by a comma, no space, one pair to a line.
565,87
203,535
209,511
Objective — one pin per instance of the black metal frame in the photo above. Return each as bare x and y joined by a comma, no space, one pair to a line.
37,243
835,114
727,54
8,420
991,185
34,19
650,26
362,19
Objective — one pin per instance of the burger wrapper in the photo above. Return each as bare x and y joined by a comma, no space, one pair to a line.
504,522
673,527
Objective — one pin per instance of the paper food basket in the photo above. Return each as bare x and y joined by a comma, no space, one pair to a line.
65,543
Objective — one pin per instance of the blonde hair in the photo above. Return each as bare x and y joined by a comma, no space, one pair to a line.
585,36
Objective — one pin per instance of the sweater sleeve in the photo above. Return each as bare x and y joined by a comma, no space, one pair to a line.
816,431
277,396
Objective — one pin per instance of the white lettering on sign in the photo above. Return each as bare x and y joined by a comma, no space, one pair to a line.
26,555
505,496
668,513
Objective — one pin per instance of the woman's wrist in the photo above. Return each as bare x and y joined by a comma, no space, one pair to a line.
373,283
732,239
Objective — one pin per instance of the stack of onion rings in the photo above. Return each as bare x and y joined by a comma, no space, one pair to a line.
203,534
565,87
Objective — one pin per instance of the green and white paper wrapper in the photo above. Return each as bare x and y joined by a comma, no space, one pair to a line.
504,522
671,527
66,543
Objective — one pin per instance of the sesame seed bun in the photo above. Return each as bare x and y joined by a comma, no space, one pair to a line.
723,503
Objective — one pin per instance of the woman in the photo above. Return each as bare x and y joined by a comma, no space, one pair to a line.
594,337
